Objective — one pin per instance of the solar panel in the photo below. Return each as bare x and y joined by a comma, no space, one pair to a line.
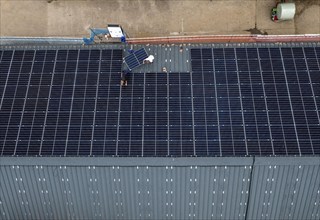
235,102
52,100
267,101
136,58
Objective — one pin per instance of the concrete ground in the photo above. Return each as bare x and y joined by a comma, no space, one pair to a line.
148,18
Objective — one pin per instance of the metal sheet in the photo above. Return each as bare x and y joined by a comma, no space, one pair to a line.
86,189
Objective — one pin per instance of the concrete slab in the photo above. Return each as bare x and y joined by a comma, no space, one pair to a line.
266,25
307,22
70,18
156,18
148,18
23,18
213,17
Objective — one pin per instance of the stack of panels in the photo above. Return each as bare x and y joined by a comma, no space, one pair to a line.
267,99
135,59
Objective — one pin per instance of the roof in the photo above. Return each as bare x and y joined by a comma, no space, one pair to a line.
162,187
211,100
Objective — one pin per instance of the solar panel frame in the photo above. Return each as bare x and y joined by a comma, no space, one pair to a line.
135,59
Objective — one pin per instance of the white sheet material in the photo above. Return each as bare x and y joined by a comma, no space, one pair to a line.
150,59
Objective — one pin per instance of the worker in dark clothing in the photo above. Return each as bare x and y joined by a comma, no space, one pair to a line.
124,78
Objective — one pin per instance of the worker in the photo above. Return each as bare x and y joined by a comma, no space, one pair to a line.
107,36
123,39
149,59
164,69
124,78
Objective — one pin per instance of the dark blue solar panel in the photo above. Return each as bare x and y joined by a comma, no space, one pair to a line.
132,61
218,54
141,54
196,54
265,104
235,102
6,56
136,58
49,104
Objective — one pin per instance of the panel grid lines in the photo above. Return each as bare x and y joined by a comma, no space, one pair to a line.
46,112
132,138
192,118
279,111
55,149
168,117
118,123
44,121
107,119
291,109
229,109
156,117
217,112
143,117
6,79
267,111
33,119
254,108
2,100
13,144
95,102
71,107
204,103
304,112
234,102
242,111
267,114
304,108
180,124
313,93
135,59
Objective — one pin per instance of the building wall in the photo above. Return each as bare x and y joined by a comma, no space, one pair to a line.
160,188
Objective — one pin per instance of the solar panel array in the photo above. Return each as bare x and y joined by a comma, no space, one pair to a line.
50,99
235,102
135,59
267,100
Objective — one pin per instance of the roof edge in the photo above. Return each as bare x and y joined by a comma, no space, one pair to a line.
158,161
12,40
227,39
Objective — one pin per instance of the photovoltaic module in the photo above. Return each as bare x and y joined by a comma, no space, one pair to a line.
233,102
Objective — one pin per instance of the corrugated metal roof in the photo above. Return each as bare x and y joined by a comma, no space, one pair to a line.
285,190
175,58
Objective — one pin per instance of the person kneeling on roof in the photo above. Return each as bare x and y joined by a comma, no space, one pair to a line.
149,59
